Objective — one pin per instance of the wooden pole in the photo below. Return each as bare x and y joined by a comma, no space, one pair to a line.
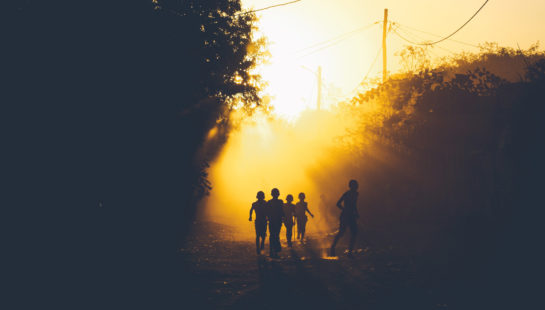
384,60
319,95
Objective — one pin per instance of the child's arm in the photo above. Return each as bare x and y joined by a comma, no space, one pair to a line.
339,203
310,212
357,213
251,210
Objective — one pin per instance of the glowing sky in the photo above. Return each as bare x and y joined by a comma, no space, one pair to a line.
303,24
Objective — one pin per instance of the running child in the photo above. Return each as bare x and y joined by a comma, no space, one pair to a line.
301,208
289,213
260,221
349,215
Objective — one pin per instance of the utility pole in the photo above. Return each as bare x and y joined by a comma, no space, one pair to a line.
384,60
319,95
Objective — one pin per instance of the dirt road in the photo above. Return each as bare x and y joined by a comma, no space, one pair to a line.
226,273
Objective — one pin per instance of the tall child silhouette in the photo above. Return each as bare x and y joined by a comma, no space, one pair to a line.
275,215
260,221
349,215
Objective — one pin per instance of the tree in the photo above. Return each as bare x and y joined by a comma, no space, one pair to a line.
414,58
109,102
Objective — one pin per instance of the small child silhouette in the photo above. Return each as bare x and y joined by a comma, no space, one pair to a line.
289,213
301,208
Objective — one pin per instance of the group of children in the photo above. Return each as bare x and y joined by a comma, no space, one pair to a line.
275,212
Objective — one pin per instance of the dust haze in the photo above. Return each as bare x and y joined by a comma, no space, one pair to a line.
266,152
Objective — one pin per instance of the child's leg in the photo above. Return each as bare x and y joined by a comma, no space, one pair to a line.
257,236
289,229
342,229
257,244
272,245
353,233
278,245
303,228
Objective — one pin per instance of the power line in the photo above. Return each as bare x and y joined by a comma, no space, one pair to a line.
396,31
372,66
339,37
407,36
439,46
401,26
237,14
368,72
334,41
410,35
268,7
405,39
456,31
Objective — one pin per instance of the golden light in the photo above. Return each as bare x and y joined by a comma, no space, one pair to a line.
301,25
291,73
291,89
285,151
292,77
263,153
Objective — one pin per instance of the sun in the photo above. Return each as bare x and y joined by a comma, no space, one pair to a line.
299,42
291,80
291,88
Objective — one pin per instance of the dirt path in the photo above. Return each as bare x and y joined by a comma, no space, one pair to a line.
227,274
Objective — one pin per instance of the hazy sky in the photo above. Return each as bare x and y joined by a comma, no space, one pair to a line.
303,24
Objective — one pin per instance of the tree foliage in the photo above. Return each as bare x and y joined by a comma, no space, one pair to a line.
108,104
449,160
224,45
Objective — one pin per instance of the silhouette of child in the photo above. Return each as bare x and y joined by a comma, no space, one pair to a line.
289,213
349,215
301,208
260,221
275,215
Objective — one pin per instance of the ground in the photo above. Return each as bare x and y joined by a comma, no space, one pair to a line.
226,273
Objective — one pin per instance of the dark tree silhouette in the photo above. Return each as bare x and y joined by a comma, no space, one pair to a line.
451,174
107,104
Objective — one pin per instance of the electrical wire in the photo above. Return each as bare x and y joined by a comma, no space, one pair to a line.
396,31
372,65
342,36
401,26
456,31
267,8
334,41
405,39
353,91
321,48
239,13
410,35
